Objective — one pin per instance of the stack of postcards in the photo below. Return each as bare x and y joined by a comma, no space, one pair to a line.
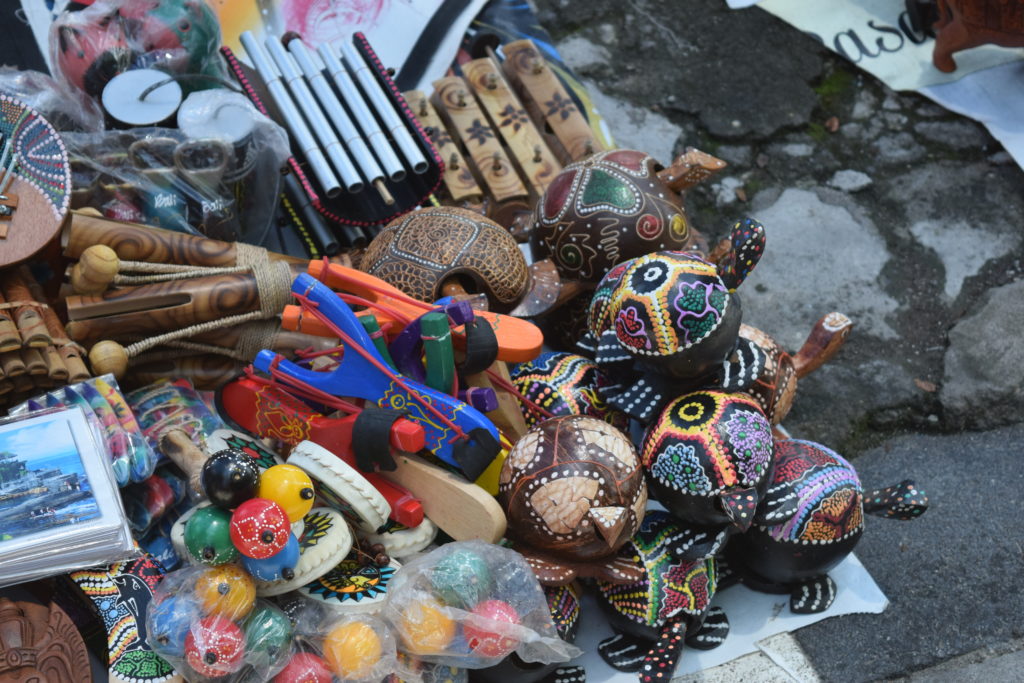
59,504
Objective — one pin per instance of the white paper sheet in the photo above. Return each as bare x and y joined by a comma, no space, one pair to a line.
988,84
752,617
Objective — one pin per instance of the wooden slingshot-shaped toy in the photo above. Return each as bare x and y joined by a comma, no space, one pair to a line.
455,432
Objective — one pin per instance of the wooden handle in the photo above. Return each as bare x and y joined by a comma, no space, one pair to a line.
461,509
177,446
827,337
136,242
690,168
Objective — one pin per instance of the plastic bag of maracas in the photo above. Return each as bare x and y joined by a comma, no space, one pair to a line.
470,604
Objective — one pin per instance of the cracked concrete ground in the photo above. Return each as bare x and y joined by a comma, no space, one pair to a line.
907,218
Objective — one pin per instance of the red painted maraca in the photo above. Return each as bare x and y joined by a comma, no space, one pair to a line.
259,528
215,647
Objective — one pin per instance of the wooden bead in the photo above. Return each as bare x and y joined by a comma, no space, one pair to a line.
108,356
95,270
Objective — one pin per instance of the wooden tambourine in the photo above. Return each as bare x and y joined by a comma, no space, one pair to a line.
341,486
354,587
401,541
325,541
34,205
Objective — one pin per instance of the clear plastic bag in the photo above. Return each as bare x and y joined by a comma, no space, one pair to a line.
66,109
203,179
470,604
108,413
58,498
90,46
207,623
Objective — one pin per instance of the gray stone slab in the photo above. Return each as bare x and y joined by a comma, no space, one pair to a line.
953,576
820,256
984,380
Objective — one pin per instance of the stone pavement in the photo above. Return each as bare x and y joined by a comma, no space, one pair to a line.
908,219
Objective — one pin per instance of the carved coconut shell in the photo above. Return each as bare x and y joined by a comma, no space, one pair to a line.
827,524
775,387
708,458
421,250
40,643
565,384
572,487
672,589
671,311
608,208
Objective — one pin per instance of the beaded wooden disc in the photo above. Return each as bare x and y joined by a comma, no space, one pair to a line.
573,487
606,209
419,251
40,185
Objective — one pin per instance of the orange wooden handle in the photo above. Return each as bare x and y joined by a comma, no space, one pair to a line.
518,340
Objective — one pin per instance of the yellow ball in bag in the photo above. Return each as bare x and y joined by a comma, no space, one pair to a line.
352,649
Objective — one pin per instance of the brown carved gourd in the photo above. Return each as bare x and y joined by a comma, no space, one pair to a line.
426,250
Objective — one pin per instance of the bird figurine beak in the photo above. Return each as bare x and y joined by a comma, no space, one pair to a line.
739,505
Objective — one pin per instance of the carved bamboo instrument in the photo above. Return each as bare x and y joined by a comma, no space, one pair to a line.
69,353
457,107
26,310
547,100
458,179
527,148
136,242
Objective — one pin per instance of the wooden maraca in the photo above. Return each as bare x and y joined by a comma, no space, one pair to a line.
95,270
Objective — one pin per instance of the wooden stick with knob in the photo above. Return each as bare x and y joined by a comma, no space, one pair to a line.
95,270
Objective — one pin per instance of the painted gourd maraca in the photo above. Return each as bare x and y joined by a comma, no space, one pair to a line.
268,633
652,617
608,208
564,604
420,251
669,311
259,528
208,536
811,519
229,478
215,647
92,47
185,34
775,386
565,384
290,487
708,456
226,591
168,624
572,487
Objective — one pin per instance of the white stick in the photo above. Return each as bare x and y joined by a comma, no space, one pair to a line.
314,115
339,117
399,132
292,118
367,121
